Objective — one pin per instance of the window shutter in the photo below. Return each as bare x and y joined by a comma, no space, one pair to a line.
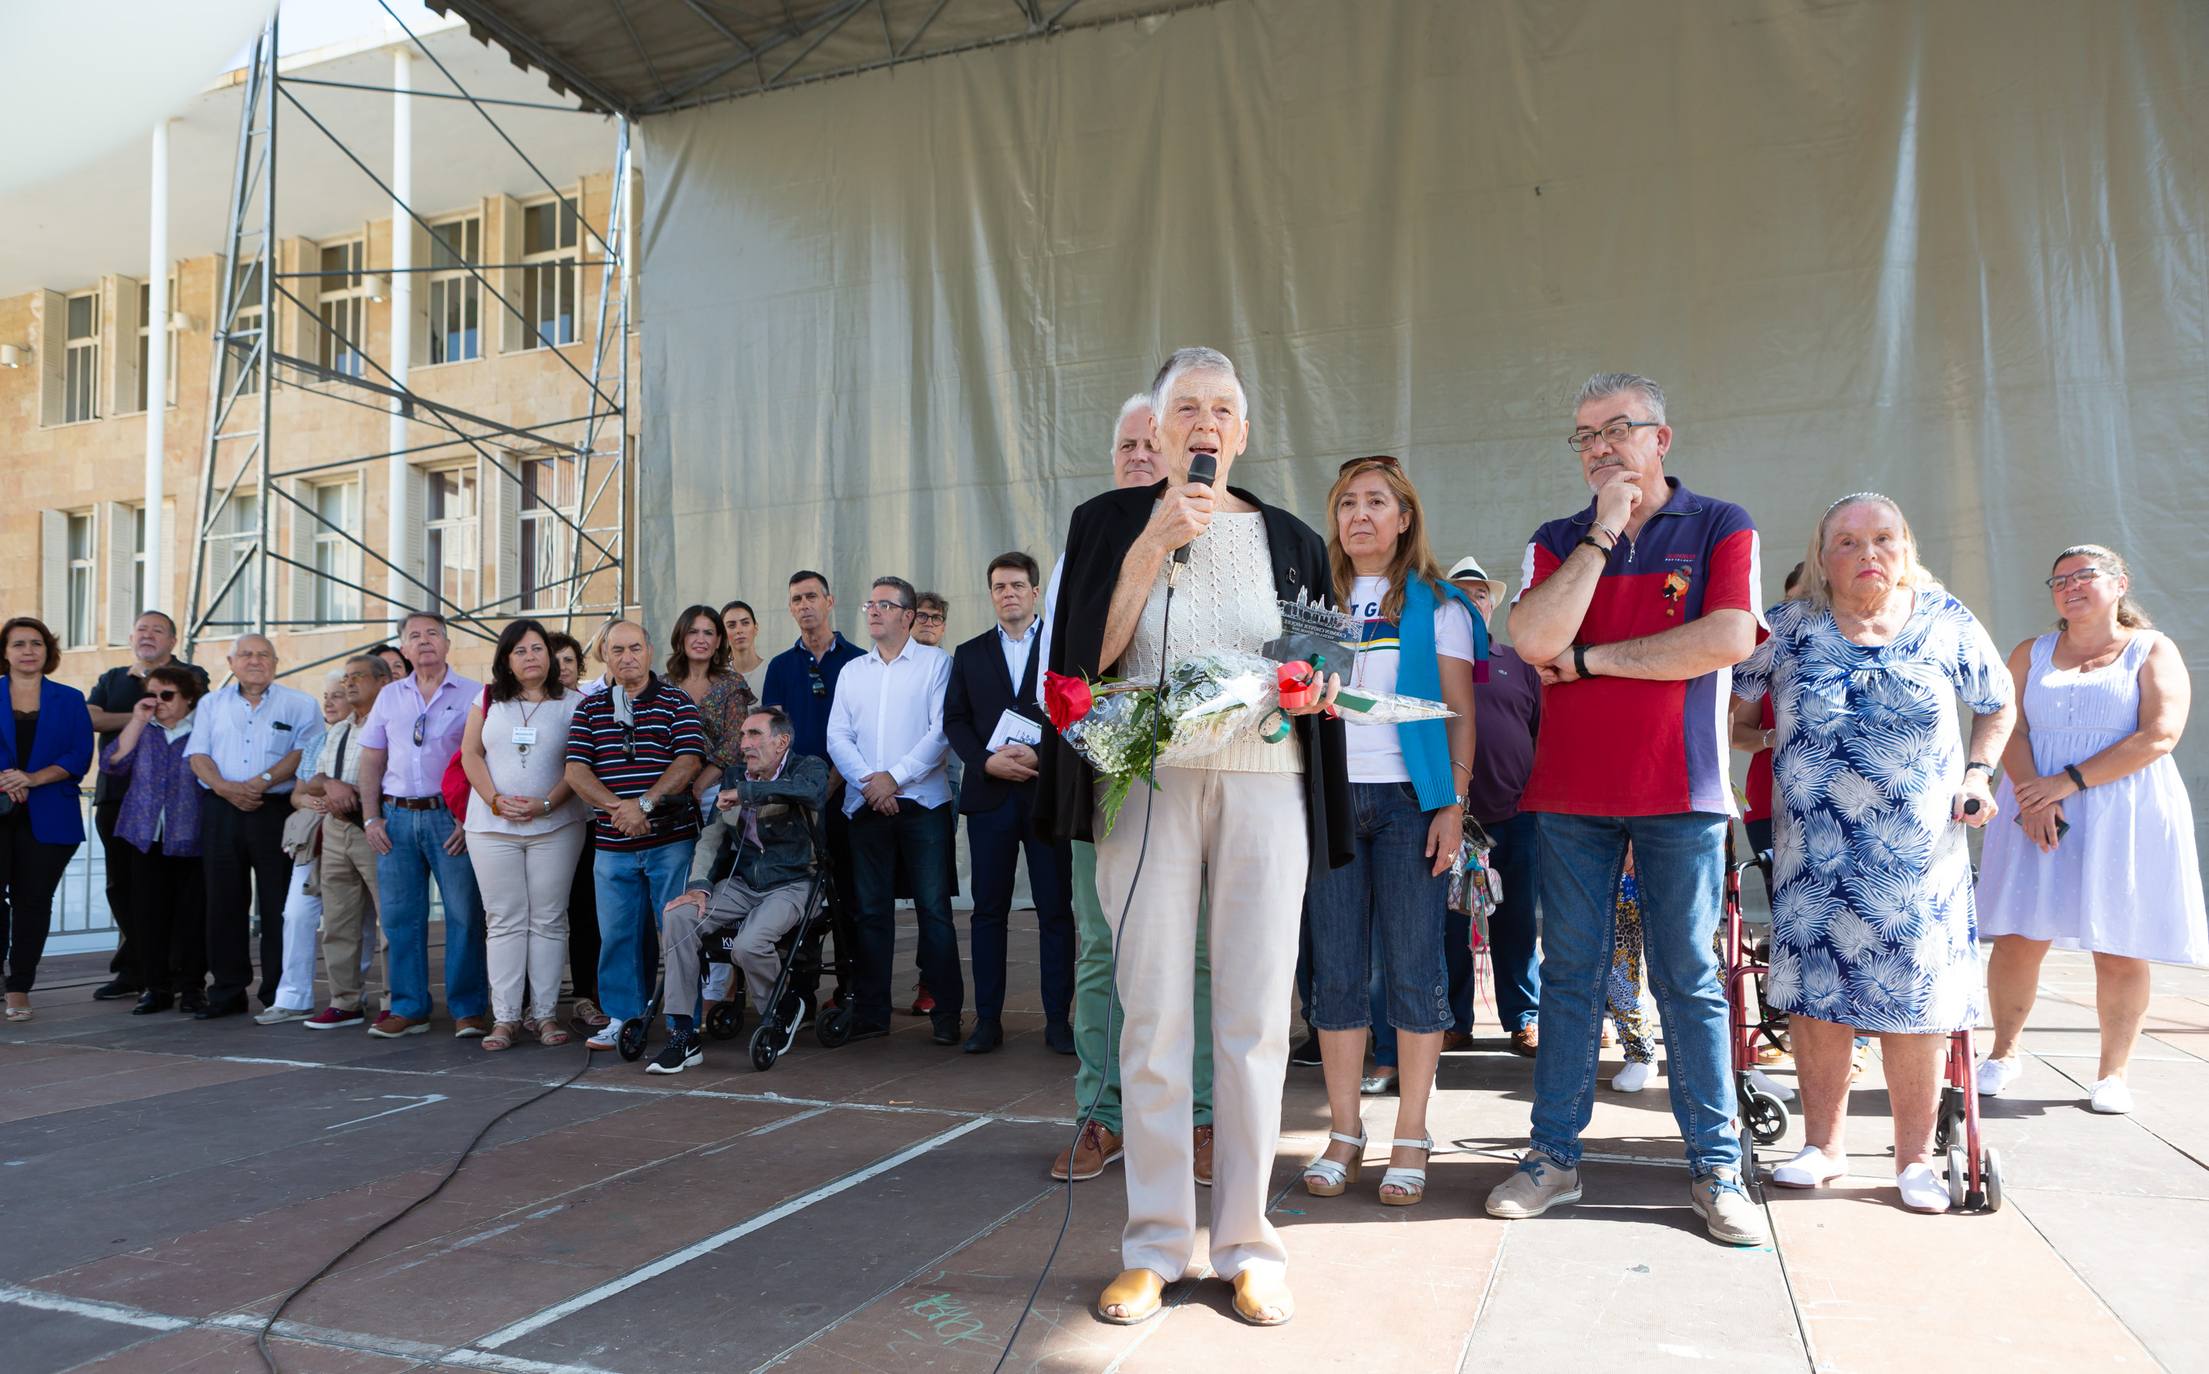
300,550
628,252
502,239
502,550
298,327
122,543
119,341
53,584
418,327
53,356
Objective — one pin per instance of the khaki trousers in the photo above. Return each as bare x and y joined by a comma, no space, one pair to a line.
1236,839
348,907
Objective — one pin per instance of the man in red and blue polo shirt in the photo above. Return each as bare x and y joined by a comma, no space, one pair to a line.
1634,611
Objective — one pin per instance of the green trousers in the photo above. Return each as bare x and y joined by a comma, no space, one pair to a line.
1098,1057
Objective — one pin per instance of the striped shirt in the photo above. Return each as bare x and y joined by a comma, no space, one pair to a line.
628,761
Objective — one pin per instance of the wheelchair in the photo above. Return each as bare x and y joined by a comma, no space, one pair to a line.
801,965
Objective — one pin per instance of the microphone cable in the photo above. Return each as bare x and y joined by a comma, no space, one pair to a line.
260,1337
1112,1002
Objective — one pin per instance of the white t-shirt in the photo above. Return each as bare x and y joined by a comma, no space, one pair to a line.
1377,751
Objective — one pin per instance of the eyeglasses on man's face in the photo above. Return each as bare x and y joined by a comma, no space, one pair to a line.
928,617
1613,433
2085,577
884,606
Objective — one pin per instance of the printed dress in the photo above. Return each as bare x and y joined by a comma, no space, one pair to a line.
1873,923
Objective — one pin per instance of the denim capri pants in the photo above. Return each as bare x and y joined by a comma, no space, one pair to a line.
1387,900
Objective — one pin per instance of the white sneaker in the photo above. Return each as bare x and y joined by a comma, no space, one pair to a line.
1922,1190
277,1016
2110,1097
1810,1168
1634,1077
1996,1075
606,1037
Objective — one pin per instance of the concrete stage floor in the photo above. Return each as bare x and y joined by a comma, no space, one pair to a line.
885,1207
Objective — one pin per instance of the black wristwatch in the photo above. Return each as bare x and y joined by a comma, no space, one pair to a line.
1986,768
1580,661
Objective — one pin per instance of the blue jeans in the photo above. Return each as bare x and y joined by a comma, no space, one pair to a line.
1679,862
1385,905
633,887
403,906
1516,922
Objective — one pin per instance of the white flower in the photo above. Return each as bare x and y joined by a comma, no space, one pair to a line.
1853,937
1854,796
1887,983
1824,992
1827,843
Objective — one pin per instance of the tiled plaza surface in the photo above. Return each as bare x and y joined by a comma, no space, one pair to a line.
884,1207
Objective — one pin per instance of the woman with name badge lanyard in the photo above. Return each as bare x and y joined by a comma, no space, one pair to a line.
1421,638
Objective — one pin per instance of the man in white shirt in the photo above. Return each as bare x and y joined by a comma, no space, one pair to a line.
885,736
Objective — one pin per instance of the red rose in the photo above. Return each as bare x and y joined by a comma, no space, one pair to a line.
1066,698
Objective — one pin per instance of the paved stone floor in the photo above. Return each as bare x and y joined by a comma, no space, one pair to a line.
885,1208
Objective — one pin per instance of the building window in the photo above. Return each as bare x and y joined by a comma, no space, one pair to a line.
145,331
456,297
245,330
76,632
81,380
337,559
237,533
343,307
551,284
450,536
138,599
547,542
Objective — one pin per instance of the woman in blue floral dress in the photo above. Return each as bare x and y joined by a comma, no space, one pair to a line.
1873,927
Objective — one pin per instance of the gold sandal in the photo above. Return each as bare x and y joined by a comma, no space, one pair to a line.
1139,1293
1254,1295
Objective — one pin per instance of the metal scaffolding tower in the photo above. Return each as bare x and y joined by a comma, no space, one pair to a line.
234,557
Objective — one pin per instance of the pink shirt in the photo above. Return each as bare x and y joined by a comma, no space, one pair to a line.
418,770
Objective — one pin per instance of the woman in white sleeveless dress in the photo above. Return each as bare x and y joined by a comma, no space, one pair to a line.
2102,857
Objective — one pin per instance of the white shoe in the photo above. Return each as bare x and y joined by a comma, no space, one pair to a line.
1995,1075
1922,1190
1634,1077
606,1037
2110,1097
1810,1168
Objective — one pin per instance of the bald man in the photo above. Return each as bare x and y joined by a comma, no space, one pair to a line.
247,739
632,752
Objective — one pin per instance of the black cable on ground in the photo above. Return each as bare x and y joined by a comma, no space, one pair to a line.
1112,1001
260,1337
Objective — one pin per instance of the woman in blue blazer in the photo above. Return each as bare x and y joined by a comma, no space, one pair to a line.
45,748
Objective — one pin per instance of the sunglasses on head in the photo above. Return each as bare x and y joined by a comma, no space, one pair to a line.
1381,460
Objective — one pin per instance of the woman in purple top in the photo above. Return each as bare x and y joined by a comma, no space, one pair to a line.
159,827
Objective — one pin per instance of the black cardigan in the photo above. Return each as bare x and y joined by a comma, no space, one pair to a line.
1102,532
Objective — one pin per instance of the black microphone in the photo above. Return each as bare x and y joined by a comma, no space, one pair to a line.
1203,468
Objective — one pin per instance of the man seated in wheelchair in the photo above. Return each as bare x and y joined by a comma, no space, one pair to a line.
766,815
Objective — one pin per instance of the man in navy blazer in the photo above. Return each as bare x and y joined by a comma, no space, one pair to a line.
992,719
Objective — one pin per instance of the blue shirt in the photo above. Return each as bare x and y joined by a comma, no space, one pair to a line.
246,741
790,684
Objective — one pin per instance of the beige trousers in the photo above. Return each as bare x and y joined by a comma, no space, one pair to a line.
1238,839
525,881
348,908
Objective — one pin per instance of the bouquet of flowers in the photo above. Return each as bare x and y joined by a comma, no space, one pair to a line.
1126,729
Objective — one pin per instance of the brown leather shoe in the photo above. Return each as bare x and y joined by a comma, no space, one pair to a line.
391,1025
1456,1040
471,1027
1524,1041
1204,1155
1095,1148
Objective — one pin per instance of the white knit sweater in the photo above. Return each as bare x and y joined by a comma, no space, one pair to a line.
1225,601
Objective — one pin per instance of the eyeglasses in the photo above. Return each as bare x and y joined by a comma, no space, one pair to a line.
1379,460
421,728
171,695
884,606
820,688
2083,576
1613,433
928,617
628,741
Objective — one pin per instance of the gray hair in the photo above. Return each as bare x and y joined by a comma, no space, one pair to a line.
377,668
1141,400
1623,383
778,721
1196,358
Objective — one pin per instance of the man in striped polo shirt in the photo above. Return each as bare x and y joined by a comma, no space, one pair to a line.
633,750
1634,612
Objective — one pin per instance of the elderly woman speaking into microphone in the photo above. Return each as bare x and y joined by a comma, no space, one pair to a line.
1242,827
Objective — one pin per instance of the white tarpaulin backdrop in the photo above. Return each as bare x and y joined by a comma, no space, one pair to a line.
1956,252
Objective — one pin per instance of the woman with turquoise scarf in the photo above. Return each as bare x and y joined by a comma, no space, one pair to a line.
1420,638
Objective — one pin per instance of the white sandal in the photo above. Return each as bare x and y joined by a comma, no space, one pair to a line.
1412,1182
1810,1168
1325,1177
